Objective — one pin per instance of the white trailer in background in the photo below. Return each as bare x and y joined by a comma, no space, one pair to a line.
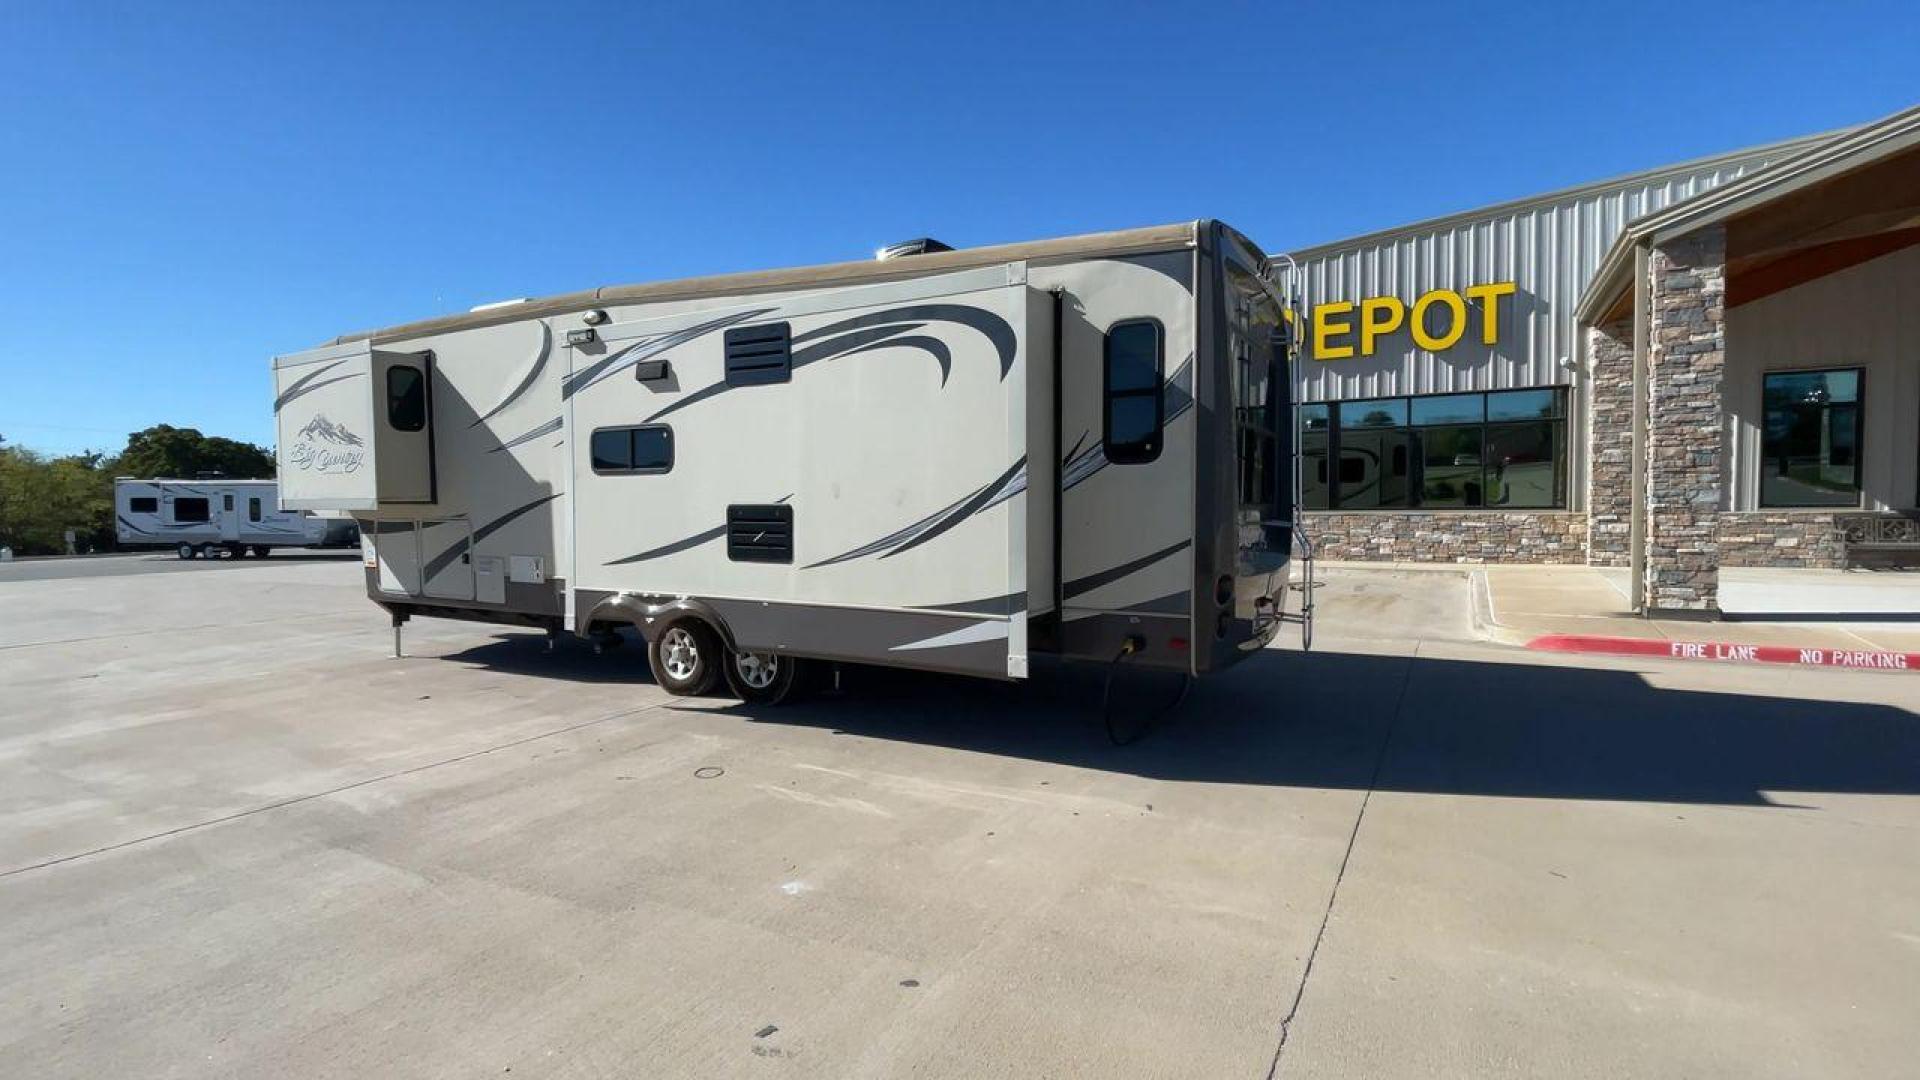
948,460
201,518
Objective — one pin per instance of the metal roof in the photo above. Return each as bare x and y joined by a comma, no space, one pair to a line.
1646,176
1840,153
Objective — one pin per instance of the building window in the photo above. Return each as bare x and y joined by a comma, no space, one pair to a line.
1501,450
1135,400
406,398
191,510
143,504
646,449
253,509
1810,449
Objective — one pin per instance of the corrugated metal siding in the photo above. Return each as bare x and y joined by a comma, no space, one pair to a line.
1549,248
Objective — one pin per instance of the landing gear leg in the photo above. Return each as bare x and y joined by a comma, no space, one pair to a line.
398,620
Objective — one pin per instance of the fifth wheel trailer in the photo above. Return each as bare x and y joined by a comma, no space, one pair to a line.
952,460
200,517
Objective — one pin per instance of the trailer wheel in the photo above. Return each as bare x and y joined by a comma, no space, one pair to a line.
186,550
763,678
260,551
685,658
204,551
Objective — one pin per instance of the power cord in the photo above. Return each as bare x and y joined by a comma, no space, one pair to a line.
1134,643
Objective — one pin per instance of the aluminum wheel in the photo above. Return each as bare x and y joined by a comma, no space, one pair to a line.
680,654
756,671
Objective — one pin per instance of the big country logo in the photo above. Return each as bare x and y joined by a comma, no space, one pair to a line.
327,447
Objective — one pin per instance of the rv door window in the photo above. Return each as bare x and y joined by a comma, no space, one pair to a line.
253,509
646,449
144,504
191,509
226,503
1135,398
406,398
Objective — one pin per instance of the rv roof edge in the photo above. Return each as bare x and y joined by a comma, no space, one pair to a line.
1125,241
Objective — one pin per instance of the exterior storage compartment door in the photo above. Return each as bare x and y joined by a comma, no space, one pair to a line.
446,549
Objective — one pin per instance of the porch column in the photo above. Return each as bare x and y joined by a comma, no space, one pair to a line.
1686,450
1610,444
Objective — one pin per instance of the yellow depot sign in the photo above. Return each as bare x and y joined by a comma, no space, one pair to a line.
1334,326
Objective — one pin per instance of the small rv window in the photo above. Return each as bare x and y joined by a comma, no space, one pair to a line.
144,504
646,449
1135,398
190,510
226,503
406,398
253,509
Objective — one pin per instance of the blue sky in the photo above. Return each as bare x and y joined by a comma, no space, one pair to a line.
187,189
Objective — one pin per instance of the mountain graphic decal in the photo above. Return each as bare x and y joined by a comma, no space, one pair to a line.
322,428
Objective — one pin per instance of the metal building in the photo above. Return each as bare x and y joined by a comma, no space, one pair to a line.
1452,406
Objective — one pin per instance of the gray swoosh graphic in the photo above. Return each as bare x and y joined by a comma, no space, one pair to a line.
547,428
533,372
995,328
676,547
846,345
1007,485
992,605
648,347
296,390
445,559
1106,577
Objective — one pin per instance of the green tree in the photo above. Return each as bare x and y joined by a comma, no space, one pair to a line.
165,450
41,498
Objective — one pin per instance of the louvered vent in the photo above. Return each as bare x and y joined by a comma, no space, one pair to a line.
759,354
760,533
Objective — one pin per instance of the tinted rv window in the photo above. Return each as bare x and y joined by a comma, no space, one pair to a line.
226,503
185,509
1135,401
646,449
253,509
144,504
406,398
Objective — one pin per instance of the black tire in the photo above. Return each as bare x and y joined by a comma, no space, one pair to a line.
765,678
204,551
686,658
260,551
186,550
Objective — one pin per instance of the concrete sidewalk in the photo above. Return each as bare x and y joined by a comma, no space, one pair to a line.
1516,605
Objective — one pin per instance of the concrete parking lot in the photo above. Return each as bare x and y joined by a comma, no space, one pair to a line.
237,838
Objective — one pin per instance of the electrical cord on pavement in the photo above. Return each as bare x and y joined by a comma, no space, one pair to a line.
1133,644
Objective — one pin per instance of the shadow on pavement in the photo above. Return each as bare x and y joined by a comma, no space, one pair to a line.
1324,719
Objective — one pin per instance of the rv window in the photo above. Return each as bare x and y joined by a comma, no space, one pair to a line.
226,503
191,510
406,398
144,504
1135,400
632,450
253,509
759,354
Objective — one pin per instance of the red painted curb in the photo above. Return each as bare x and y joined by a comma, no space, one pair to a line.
1729,652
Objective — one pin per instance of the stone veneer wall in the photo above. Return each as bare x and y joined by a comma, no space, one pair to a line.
1442,536
1610,444
1685,457
1798,539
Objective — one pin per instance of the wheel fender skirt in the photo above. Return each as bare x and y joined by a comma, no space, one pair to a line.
653,614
